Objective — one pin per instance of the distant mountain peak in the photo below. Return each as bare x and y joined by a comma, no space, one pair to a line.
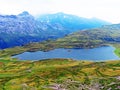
24,13
60,13
23,28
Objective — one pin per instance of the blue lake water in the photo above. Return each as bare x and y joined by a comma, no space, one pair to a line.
95,54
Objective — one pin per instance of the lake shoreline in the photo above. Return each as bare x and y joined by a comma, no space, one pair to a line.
94,54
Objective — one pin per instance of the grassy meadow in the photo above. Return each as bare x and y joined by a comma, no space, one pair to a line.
59,73
56,74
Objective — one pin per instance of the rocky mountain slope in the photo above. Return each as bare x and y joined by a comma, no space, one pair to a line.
92,38
71,22
81,39
16,30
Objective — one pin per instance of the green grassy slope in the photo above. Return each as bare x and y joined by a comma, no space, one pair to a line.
68,74
117,50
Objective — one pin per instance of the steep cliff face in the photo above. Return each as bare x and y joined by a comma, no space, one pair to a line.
14,28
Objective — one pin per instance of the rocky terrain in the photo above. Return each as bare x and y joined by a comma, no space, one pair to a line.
17,30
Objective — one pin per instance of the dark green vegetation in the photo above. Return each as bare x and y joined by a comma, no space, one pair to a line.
59,73
117,51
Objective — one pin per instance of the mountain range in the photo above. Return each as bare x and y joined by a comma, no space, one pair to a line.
17,30
90,38
71,22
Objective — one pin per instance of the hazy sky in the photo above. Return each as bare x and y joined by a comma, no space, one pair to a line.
104,9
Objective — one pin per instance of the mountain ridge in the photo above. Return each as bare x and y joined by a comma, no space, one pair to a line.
72,21
21,29
81,39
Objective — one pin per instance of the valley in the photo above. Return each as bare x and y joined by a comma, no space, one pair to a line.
55,32
104,36
51,74
59,45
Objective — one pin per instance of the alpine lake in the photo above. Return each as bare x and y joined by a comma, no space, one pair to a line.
95,54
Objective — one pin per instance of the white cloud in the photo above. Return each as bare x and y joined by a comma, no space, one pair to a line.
104,9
